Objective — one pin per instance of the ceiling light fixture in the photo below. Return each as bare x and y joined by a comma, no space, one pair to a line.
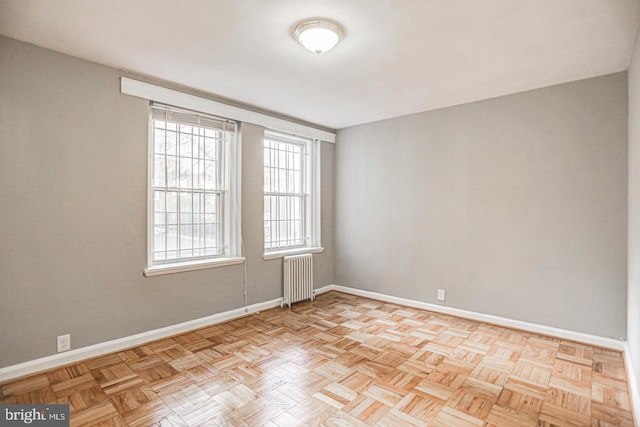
318,35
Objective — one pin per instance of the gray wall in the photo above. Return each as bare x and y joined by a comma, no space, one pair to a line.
633,292
516,206
73,176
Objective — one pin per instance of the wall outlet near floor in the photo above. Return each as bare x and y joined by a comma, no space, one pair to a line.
441,294
64,343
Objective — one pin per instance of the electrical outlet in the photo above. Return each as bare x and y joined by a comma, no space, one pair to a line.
64,343
441,294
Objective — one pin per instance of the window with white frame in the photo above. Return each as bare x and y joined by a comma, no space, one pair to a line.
193,212
291,192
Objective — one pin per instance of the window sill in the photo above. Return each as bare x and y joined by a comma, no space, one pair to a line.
296,251
179,267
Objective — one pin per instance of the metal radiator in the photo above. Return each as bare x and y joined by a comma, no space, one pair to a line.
298,279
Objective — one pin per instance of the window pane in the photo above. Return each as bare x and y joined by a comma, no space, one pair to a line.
171,142
198,209
172,172
210,236
281,185
282,208
172,238
159,232
284,194
185,172
186,211
186,142
172,207
198,146
290,181
159,141
187,217
210,203
210,175
267,208
210,149
267,158
267,232
297,182
196,239
186,239
159,179
297,207
158,201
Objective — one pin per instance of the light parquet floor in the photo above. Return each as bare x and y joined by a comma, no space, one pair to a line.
342,360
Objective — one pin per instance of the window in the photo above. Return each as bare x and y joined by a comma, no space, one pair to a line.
193,209
291,193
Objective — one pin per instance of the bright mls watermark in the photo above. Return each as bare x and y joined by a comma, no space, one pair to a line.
34,415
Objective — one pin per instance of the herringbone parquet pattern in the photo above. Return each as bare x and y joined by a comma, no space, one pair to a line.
342,360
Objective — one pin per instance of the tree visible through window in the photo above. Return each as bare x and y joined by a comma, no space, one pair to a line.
288,185
189,185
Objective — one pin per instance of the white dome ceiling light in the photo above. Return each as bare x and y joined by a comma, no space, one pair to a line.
318,35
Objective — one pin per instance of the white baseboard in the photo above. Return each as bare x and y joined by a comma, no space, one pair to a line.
60,359
633,383
324,289
488,318
38,365
517,324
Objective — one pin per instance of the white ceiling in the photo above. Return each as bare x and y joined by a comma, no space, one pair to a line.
398,56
